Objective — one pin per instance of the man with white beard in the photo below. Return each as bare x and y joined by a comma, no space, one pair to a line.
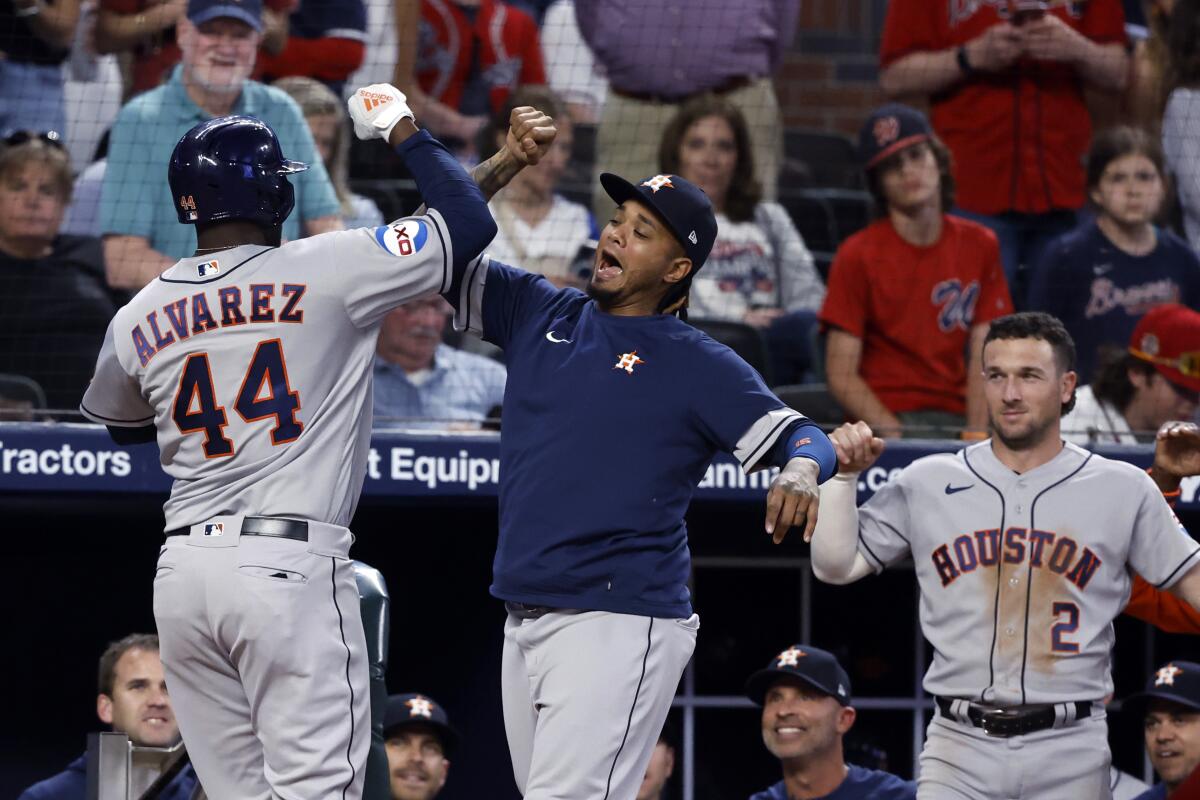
218,40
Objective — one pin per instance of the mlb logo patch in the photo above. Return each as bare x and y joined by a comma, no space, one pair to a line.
208,268
402,238
214,529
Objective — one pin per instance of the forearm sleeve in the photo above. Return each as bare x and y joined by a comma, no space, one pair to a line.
835,539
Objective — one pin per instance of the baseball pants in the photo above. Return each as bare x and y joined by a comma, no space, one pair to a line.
585,695
265,659
961,762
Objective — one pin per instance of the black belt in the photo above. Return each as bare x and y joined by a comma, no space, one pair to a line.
731,85
526,611
1013,721
296,529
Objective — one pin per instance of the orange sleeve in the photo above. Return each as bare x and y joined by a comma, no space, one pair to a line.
1163,610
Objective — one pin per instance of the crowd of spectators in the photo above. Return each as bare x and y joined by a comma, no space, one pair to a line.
1079,220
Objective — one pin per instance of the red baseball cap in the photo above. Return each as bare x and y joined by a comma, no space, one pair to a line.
1168,336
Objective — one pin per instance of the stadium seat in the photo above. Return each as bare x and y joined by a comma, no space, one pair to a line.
21,390
812,217
813,400
830,158
743,339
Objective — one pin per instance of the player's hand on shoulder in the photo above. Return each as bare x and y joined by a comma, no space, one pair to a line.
376,109
530,134
856,446
792,499
1177,449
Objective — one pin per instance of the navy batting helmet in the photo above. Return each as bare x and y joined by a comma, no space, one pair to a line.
231,168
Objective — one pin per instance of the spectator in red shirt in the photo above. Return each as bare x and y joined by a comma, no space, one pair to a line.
146,28
910,297
1006,87
471,54
326,41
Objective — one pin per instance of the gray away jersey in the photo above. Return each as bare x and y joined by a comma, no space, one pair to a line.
254,364
1022,575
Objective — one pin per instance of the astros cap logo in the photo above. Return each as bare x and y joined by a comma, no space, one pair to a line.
886,130
1166,675
658,182
420,707
790,657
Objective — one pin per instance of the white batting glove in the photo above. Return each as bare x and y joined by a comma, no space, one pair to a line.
376,109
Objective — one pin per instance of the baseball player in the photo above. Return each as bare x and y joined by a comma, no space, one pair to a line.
613,409
250,363
1023,547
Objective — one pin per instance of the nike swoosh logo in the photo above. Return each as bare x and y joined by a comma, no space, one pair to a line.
956,489
550,337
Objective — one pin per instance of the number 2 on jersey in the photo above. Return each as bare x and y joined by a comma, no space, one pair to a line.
265,392
1064,627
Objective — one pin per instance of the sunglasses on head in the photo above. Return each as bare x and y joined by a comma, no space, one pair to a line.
51,138
1186,363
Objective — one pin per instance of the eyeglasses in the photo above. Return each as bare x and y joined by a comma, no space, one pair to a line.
1187,363
51,138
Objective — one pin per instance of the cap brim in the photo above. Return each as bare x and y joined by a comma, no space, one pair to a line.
448,735
1137,703
896,147
758,684
231,12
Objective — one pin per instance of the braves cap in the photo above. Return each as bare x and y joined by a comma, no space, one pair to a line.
1176,681
1168,336
812,665
888,130
681,204
404,710
248,11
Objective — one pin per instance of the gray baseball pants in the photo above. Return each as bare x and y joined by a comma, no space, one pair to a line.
265,660
585,695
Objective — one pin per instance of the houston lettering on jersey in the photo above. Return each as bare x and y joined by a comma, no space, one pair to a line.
215,309
1042,549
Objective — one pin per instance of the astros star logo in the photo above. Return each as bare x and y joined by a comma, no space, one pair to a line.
1166,675
627,361
658,182
420,707
790,657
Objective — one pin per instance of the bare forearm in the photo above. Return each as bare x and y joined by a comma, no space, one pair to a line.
927,72
1187,588
117,32
859,402
130,262
1105,66
495,173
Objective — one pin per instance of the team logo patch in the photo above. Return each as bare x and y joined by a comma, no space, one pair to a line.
187,203
886,131
790,657
1166,675
627,361
1149,344
214,529
208,268
402,238
658,182
420,707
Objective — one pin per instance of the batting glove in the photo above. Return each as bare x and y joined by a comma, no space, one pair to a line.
376,109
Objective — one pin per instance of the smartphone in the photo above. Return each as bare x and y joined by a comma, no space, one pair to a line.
1022,11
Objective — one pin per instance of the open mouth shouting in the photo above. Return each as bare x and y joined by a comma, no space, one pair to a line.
608,266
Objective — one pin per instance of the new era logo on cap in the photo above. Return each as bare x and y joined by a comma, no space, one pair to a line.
693,238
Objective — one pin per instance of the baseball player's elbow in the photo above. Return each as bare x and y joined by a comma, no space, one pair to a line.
472,233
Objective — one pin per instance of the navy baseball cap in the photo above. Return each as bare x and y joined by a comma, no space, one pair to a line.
1175,681
248,11
888,130
419,709
812,665
681,204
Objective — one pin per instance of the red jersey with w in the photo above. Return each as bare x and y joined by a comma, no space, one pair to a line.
502,41
1018,136
913,307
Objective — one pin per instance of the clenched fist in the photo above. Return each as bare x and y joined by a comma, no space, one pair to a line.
376,109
